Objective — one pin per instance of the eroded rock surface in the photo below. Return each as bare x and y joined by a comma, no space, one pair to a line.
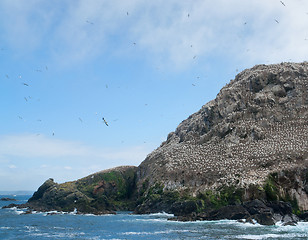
256,125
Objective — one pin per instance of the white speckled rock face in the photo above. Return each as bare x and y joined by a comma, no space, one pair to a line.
257,124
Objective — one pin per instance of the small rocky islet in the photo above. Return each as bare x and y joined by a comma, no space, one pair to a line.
242,156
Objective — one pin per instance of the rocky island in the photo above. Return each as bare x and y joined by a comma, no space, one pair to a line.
243,155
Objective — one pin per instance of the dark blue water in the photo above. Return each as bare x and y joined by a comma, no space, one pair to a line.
15,225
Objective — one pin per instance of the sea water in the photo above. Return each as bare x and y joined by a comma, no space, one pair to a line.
16,225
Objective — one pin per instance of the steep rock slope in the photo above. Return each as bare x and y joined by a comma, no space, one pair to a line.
257,125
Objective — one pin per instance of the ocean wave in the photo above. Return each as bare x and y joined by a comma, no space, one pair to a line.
161,214
271,236
155,232
18,211
6,228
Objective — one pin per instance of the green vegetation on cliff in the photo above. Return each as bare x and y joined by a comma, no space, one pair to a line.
99,193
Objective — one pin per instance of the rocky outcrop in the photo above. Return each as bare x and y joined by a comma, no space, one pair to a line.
243,155
256,211
257,125
7,199
100,193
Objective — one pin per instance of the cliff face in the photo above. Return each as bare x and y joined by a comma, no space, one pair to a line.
249,143
257,125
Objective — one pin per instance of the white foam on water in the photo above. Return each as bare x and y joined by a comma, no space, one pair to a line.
271,236
156,232
162,214
300,228
74,212
6,228
31,229
17,211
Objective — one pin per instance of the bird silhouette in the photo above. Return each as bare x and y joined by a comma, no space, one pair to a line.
105,121
282,3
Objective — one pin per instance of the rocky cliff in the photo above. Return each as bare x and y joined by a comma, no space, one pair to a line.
247,148
256,125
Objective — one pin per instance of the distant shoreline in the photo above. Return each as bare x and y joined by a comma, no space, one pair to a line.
17,193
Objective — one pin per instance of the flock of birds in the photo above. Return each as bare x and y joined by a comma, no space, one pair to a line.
27,98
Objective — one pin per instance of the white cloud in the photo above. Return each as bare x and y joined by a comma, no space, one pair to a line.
162,29
33,146
39,146
36,158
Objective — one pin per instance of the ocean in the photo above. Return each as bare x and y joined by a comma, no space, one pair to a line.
124,225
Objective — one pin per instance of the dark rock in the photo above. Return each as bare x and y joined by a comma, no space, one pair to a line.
289,223
184,207
264,218
257,207
12,205
8,199
282,208
232,212
303,216
27,212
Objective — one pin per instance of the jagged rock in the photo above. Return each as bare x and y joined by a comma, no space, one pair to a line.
185,207
233,212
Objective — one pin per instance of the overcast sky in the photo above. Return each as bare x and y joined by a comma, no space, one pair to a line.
143,66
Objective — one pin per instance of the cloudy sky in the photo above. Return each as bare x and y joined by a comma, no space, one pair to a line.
143,66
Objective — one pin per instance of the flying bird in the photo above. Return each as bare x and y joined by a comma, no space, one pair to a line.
282,3
7,76
80,120
90,22
105,121
26,84
276,21
26,99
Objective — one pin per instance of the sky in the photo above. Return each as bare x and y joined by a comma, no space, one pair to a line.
143,66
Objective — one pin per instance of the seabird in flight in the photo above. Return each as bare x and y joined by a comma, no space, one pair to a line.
105,121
